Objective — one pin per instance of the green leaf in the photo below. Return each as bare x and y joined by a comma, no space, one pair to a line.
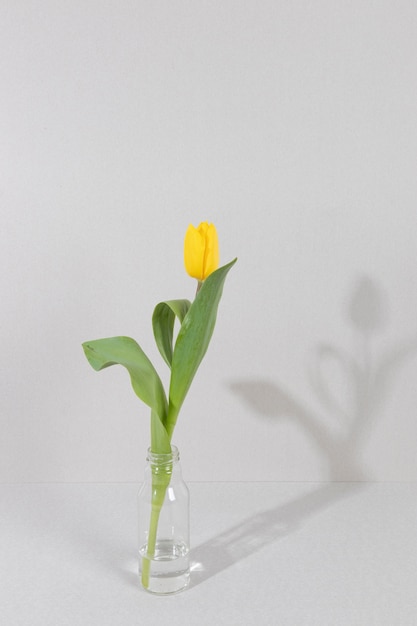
160,442
163,320
193,340
145,381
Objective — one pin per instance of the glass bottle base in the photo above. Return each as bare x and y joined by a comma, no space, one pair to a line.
169,570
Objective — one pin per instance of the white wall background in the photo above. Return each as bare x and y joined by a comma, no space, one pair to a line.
289,124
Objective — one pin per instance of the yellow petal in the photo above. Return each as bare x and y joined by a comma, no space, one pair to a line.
194,246
211,256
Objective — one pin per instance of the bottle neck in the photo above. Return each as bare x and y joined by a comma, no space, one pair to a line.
164,463
163,459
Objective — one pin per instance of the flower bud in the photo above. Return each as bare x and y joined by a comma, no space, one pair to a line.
201,250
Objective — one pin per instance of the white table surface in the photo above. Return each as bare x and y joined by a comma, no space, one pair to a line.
285,554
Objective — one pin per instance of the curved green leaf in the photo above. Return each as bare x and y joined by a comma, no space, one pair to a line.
163,320
145,381
193,340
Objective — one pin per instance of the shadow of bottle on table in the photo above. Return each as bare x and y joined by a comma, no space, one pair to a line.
339,445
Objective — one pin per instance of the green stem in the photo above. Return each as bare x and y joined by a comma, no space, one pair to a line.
160,482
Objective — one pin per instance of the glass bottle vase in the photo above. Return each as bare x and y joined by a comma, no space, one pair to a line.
163,508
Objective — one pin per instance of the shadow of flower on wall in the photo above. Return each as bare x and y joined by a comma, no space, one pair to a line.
338,432
341,429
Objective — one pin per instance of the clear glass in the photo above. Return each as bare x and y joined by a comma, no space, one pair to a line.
164,535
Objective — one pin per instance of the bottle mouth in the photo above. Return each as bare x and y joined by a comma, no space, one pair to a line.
163,459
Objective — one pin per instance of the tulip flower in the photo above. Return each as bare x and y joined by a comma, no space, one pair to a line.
183,355
201,251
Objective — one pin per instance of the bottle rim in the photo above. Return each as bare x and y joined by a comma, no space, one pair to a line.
161,459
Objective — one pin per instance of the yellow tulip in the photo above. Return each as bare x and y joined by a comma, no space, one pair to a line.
201,250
